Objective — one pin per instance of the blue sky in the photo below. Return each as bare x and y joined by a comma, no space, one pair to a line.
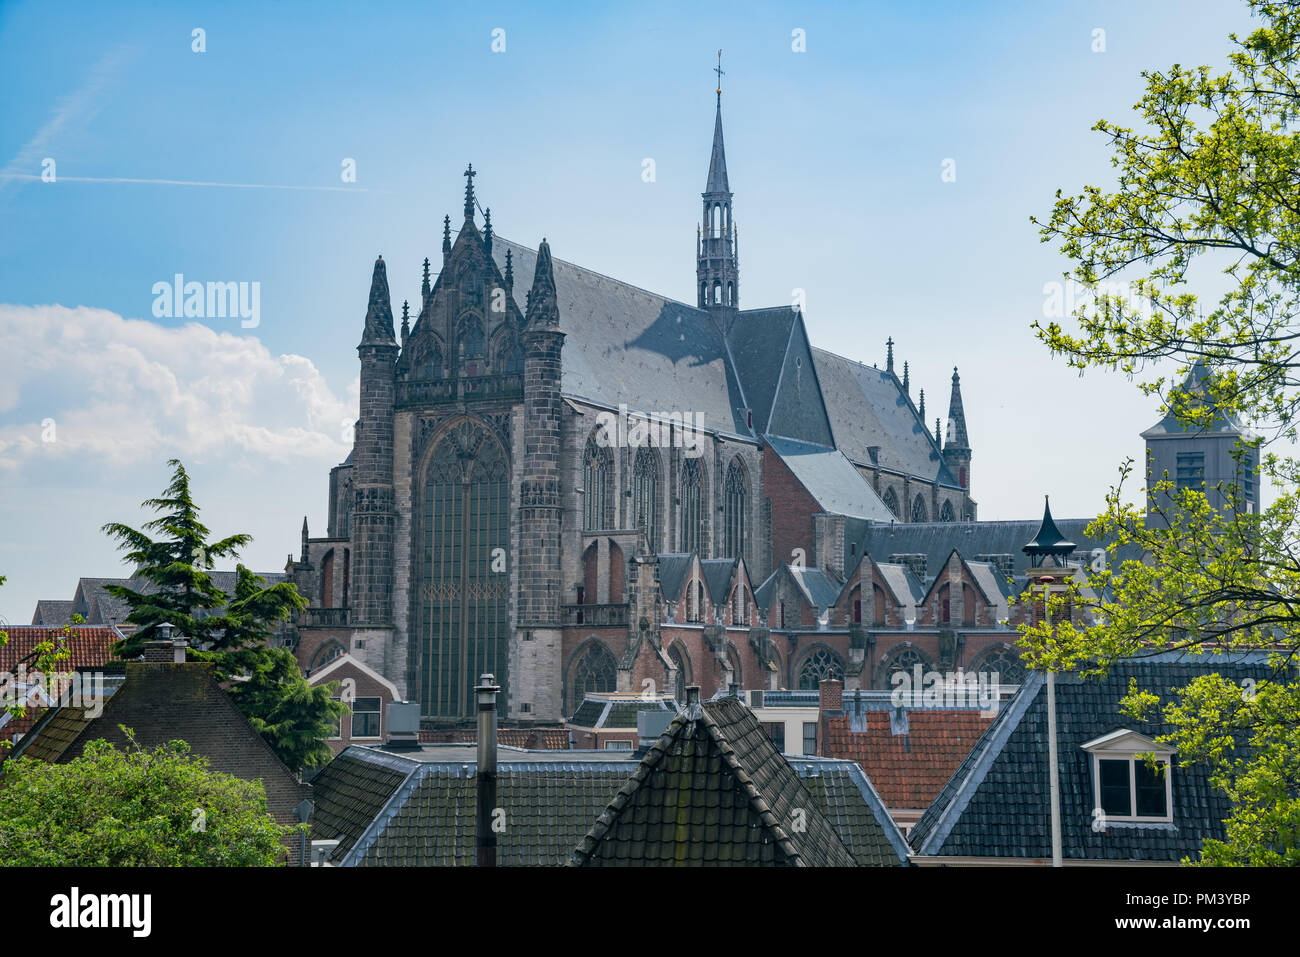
834,155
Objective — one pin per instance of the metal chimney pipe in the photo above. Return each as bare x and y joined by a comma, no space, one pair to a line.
485,838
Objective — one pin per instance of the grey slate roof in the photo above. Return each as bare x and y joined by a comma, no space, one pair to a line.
936,540
718,573
52,612
627,345
868,410
996,804
674,569
1193,391
713,790
831,479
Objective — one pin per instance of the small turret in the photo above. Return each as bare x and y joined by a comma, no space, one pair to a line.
956,451
425,287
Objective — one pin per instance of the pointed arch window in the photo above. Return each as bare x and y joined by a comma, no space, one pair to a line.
645,494
692,508
735,499
681,664
891,502
510,360
595,484
946,513
821,665
595,671
918,509
470,334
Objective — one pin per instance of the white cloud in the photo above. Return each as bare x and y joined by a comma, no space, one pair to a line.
123,390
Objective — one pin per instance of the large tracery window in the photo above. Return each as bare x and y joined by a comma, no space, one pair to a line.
463,616
1006,662
470,334
904,659
736,494
645,495
918,509
594,671
946,513
692,510
821,665
595,483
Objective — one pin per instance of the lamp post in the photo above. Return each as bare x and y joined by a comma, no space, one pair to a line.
1049,552
1053,771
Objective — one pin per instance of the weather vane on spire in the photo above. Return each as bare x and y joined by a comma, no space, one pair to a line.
718,70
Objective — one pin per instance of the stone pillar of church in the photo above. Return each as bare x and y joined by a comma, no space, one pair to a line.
536,679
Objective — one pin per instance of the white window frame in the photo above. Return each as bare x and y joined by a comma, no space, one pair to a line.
1127,745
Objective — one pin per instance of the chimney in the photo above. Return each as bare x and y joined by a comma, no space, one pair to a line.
165,649
830,695
485,838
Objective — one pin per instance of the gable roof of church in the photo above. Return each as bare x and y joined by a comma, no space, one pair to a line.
831,479
874,421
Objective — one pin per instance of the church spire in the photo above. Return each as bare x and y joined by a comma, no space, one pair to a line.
406,321
487,231
922,409
510,272
543,310
379,312
446,239
956,446
907,381
424,286
717,270
956,415
889,354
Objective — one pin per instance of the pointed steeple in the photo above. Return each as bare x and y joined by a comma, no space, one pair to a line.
889,354
425,288
938,435
406,321
717,182
956,416
543,310
446,239
1049,540
907,382
469,191
304,540
717,270
510,272
922,408
379,313
487,231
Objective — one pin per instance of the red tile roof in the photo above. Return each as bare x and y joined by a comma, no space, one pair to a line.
88,646
908,770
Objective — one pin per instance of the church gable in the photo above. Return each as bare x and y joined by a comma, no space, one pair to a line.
798,411
469,323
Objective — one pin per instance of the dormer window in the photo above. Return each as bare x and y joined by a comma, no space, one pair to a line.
1125,789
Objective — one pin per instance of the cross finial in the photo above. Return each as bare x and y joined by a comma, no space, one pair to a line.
718,70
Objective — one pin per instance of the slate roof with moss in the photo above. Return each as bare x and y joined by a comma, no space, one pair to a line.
713,790
996,804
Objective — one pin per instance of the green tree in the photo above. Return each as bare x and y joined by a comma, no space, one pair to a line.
230,630
1207,195
134,808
